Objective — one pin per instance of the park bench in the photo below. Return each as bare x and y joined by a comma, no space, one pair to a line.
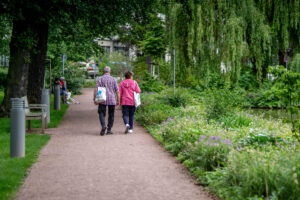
42,115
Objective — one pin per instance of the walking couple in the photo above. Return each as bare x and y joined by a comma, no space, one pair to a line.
125,97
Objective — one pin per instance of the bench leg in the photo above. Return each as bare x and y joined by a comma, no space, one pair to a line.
29,127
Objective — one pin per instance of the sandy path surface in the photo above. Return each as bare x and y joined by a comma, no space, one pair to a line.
77,163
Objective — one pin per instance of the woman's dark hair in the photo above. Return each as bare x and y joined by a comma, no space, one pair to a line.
128,74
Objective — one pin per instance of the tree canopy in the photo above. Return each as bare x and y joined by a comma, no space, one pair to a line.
213,35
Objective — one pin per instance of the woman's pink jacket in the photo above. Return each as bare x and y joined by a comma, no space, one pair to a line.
127,89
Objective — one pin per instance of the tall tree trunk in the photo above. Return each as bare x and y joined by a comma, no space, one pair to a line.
18,64
36,72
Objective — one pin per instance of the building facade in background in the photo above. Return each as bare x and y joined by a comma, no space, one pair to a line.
113,45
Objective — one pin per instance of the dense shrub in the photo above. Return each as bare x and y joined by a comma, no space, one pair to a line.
181,98
74,76
221,102
258,175
235,120
151,84
154,114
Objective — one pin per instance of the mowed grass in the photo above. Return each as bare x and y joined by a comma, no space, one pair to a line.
14,170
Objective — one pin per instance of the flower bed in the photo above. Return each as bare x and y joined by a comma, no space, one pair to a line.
240,156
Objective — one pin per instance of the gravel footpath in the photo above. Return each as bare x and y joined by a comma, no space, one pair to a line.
77,163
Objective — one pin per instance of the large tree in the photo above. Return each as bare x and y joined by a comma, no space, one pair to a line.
213,36
31,21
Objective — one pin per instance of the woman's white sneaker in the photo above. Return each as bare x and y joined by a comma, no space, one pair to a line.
130,131
126,128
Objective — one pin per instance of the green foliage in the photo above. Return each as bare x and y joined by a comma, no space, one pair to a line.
225,37
74,76
154,114
295,65
247,79
236,120
221,102
258,175
209,154
89,84
1,95
117,70
3,77
154,43
181,98
5,35
239,156
150,84
287,87
259,140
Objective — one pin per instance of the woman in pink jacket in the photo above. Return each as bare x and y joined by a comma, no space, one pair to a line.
127,89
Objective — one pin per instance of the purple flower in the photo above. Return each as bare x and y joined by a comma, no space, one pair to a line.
200,140
217,138
203,136
211,137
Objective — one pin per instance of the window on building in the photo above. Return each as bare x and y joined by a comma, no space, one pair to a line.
106,49
119,49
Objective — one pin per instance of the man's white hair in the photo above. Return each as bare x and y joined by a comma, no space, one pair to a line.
106,69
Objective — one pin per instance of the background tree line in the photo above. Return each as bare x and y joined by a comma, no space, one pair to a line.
35,23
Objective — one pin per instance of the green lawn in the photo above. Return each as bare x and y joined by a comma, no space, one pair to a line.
14,170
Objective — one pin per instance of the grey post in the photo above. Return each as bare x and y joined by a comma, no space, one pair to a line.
46,100
17,127
57,97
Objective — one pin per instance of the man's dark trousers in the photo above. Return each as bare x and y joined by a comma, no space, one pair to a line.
102,114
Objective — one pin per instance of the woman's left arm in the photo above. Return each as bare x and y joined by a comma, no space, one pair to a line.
137,88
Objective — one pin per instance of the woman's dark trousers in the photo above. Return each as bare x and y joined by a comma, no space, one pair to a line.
128,115
102,114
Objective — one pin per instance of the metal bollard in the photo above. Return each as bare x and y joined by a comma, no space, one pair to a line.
57,97
46,100
17,127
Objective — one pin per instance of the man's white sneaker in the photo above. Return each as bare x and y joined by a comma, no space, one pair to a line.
130,131
126,128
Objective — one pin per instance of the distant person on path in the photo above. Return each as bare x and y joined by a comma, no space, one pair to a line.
112,89
63,91
127,89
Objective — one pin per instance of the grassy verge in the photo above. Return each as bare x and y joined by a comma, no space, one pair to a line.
14,170
89,84
238,155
